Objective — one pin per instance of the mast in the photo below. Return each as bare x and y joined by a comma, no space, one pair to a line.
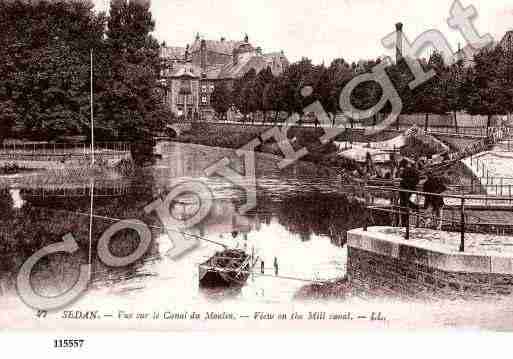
92,112
91,219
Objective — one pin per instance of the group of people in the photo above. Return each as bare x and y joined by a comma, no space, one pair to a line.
432,189
394,167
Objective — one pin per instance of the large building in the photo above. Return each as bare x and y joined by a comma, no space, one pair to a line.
190,74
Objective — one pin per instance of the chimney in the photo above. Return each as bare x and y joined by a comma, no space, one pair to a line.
186,55
399,41
203,52
246,38
222,39
259,50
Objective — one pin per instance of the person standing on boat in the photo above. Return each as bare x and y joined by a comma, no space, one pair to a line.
262,267
275,266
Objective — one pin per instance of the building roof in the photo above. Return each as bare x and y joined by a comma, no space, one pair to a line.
249,61
247,58
225,47
172,52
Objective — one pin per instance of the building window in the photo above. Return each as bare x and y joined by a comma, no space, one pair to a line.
204,88
204,99
211,88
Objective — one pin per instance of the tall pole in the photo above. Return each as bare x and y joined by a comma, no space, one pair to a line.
92,112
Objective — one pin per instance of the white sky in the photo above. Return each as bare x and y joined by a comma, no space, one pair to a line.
321,30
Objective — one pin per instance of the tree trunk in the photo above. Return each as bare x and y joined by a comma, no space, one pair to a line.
426,122
488,120
455,121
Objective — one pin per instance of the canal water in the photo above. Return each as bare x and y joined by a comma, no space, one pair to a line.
300,219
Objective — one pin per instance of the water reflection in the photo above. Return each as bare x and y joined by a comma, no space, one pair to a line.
17,201
301,219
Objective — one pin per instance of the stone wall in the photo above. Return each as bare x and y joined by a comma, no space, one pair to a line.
380,266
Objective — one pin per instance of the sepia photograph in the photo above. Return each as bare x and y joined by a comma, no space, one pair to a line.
241,166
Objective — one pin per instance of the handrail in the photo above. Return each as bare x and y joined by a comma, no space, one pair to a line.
405,215
457,196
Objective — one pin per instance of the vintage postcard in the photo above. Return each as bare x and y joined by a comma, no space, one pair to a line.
175,165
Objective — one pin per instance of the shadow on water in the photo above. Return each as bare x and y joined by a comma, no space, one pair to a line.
303,202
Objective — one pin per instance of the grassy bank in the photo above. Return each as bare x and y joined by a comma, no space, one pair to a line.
339,289
235,136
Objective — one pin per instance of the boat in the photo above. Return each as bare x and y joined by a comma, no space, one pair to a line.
229,268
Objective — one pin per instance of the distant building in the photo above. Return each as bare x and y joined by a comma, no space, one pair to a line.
189,74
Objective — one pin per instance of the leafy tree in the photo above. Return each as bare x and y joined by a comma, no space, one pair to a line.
338,75
429,96
295,77
245,95
8,117
486,96
132,107
505,78
272,97
263,79
221,99
367,94
455,90
44,73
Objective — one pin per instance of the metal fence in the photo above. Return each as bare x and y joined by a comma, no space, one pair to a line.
387,200
63,148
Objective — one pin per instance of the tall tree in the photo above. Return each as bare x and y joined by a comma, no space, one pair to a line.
132,106
455,90
295,78
428,97
487,96
245,96
221,99
45,48
272,97
263,79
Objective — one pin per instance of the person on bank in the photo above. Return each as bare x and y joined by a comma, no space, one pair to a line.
435,202
410,179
